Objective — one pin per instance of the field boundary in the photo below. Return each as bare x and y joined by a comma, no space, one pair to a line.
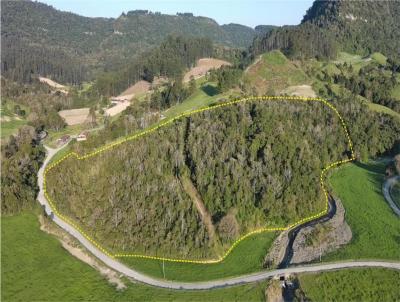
171,120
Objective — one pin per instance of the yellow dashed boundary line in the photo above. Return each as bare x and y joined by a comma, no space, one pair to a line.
152,129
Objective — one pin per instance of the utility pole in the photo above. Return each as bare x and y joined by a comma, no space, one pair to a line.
320,253
163,267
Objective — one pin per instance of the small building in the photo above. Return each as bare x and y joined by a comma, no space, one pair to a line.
63,140
82,136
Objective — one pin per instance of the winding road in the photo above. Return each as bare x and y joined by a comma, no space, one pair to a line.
119,267
386,187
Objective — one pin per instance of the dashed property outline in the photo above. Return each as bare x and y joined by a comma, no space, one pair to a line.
171,120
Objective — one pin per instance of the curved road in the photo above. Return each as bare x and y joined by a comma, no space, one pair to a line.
119,267
386,187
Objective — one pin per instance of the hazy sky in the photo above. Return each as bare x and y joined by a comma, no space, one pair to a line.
246,12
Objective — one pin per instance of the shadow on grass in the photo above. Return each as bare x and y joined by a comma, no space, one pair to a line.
372,167
376,172
210,90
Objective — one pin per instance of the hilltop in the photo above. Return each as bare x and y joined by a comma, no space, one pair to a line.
361,27
71,48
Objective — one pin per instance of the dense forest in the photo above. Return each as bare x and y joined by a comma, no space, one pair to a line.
170,59
361,27
21,158
38,39
251,165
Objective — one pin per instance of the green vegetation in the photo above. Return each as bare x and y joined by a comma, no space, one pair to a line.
170,59
378,57
396,91
246,258
374,225
11,127
94,45
383,109
21,157
273,72
364,284
395,193
269,172
330,27
13,116
35,267
207,94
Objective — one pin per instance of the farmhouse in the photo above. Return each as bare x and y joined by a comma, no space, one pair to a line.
82,136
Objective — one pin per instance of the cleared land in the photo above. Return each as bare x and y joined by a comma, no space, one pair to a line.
122,101
300,90
74,116
203,66
53,84
10,122
374,225
273,72
35,267
364,284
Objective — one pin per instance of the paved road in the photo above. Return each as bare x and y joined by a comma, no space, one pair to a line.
386,187
119,267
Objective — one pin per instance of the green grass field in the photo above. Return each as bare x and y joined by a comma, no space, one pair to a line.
11,127
246,258
375,227
10,122
205,95
383,109
364,284
396,92
35,267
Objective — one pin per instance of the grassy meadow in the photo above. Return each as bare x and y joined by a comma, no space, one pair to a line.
35,267
247,257
375,227
363,284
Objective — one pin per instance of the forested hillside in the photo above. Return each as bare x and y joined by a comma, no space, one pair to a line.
251,165
361,27
38,39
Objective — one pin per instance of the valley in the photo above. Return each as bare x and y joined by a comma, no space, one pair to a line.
152,156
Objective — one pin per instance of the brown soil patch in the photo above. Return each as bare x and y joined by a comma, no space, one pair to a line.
53,84
74,116
203,66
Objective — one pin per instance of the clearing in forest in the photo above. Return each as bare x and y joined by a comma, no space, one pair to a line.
203,66
253,168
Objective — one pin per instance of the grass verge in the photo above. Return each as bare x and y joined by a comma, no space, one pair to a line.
247,257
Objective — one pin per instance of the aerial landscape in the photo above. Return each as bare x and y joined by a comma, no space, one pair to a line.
200,150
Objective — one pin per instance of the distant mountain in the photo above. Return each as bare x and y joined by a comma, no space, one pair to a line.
360,27
38,39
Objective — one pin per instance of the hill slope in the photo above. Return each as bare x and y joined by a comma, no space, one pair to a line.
353,26
38,39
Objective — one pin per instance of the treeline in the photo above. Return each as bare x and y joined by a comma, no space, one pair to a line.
21,157
170,59
252,165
